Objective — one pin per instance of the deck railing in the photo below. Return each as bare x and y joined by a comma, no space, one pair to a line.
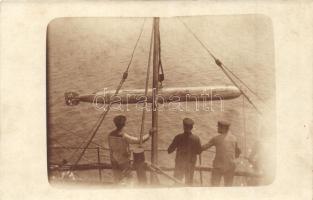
100,165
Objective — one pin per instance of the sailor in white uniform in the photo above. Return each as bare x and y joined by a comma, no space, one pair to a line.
120,153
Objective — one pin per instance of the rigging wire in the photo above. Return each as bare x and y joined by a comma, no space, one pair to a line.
132,56
68,149
232,73
108,107
242,82
79,136
146,89
242,92
81,145
221,65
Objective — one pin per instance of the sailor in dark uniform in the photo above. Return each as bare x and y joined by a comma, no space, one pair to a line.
120,153
187,146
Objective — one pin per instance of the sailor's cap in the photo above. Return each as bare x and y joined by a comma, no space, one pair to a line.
188,122
223,123
120,119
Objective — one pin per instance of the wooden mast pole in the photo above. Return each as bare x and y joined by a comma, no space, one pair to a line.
156,61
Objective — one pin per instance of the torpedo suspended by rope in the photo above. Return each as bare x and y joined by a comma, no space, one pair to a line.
134,95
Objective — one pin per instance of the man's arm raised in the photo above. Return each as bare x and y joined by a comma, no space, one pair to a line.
136,140
208,144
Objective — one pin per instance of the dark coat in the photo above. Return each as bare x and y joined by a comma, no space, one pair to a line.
187,147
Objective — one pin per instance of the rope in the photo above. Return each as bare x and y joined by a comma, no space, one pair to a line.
85,138
161,75
80,146
242,82
146,91
108,107
74,134
66,148
242,92
221,65
74,153
211,54
131,58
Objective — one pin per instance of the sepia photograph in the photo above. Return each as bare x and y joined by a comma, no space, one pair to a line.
156,100
161,102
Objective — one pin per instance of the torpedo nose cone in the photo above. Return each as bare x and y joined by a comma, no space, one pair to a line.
71,98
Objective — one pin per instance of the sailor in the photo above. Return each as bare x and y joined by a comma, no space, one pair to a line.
187,146
120,153
226,152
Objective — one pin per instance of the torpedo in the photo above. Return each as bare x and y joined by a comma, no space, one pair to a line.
165,95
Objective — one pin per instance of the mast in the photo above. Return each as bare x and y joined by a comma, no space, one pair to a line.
156,61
